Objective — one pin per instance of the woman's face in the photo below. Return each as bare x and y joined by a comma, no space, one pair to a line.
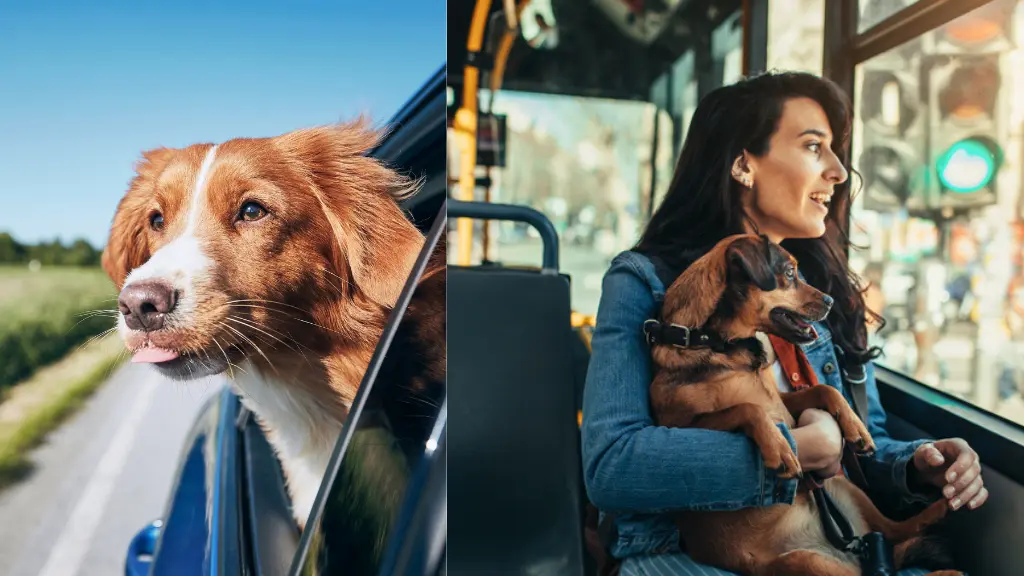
788,189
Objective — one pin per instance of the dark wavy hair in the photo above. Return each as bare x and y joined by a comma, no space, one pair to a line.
703,204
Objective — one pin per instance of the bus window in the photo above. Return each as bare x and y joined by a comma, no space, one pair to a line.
727,48
589,123
796,35
580,161
940,206
874,11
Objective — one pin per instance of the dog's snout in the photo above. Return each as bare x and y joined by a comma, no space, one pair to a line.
144,304
828,301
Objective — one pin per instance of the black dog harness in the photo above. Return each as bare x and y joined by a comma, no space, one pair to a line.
656,332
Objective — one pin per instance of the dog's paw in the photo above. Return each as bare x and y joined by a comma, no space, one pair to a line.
856,433
778,455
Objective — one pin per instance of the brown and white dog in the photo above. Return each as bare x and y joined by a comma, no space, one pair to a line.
276,260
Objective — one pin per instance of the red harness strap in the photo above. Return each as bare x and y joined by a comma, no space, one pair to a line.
801,375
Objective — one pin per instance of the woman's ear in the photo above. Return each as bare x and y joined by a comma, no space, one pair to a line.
742,170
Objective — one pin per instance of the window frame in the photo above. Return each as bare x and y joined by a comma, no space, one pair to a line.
928,408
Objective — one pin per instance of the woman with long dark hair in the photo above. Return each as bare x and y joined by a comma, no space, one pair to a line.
764,155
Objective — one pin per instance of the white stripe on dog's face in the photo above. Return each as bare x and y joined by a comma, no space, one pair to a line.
183,259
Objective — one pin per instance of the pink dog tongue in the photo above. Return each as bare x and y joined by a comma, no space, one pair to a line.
152,354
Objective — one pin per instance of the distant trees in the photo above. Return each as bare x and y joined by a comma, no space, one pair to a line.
52,253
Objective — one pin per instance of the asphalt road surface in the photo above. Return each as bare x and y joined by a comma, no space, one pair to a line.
99,478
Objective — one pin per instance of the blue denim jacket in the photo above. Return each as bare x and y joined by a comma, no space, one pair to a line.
639,471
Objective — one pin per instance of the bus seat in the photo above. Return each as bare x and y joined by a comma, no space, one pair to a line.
514,456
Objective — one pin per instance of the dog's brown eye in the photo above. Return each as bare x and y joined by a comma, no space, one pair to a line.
790,274
251,211
156,221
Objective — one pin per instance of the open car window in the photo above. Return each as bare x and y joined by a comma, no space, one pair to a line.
381,487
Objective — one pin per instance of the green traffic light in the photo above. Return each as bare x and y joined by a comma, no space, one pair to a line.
967,166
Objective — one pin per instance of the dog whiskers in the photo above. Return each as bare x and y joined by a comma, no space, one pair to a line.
222,351
103,312
253,344
79,322
96,337
268,309
267,302
273,338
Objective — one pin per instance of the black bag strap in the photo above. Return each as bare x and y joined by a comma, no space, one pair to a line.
855,378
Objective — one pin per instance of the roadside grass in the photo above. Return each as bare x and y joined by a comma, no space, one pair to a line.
46,314
34,407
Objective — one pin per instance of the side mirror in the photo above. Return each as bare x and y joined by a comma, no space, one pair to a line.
139,558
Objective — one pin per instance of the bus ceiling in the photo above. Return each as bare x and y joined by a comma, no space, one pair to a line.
593,48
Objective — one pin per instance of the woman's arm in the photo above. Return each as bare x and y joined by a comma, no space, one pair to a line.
887,470
629,463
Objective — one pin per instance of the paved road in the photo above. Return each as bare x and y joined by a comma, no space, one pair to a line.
99,478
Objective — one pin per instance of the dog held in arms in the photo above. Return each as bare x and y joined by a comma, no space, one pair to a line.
277,260
743,285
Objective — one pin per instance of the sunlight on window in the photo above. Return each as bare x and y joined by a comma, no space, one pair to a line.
940,205
796,35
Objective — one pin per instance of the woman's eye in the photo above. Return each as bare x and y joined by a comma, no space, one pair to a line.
252,211
814,147
156,221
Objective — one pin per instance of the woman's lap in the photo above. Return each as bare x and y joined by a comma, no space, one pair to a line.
682,565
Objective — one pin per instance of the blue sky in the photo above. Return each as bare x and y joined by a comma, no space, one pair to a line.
84,89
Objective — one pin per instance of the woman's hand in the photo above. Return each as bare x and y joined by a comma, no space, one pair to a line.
953,466
819,443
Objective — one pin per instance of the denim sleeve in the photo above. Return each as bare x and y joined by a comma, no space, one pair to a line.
632,465
886,470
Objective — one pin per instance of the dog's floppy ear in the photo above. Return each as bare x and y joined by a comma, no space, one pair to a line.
127,247
693,297
376,244
749,260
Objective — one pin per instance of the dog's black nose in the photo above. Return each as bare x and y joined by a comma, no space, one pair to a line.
145,303
828,301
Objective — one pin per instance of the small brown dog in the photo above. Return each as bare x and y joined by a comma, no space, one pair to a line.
722,381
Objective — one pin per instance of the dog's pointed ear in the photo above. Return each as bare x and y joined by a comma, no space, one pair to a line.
375,244
749,260
127,246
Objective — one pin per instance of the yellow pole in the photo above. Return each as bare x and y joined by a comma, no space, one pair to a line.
465,124
508,38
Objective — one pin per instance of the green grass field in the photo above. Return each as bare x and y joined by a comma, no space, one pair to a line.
48,313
